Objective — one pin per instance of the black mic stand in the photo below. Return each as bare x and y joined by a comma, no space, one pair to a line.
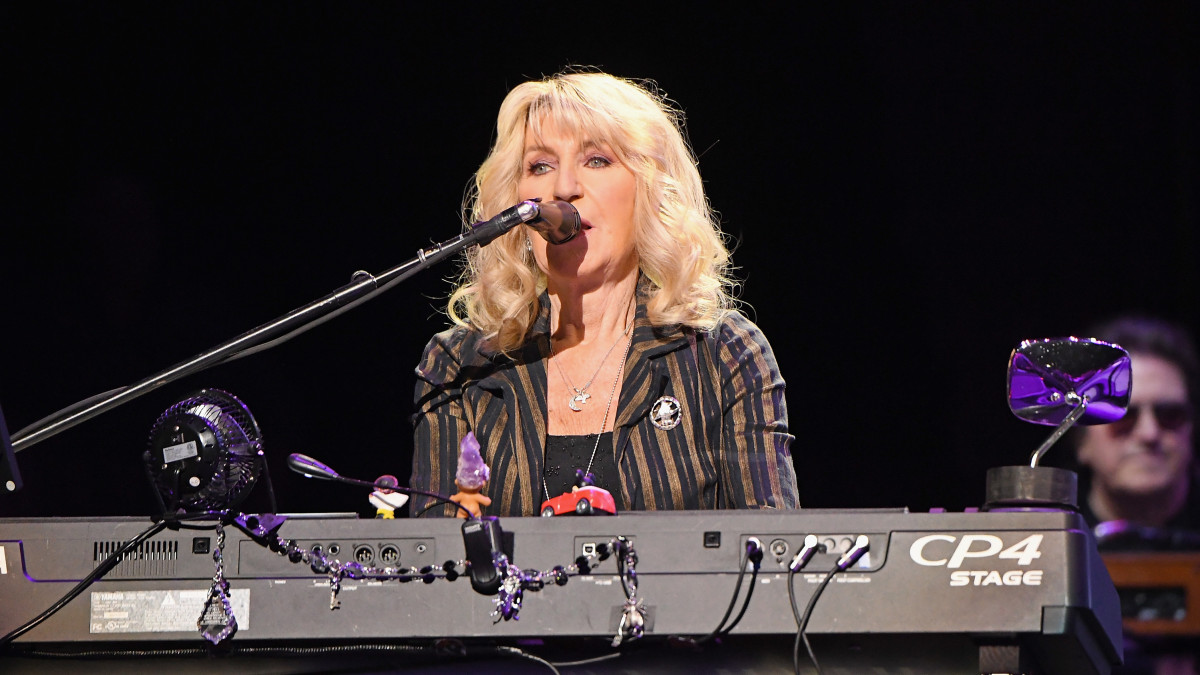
363,287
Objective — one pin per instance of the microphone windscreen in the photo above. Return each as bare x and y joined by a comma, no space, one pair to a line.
557,222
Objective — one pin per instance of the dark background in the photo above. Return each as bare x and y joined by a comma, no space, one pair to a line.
914,188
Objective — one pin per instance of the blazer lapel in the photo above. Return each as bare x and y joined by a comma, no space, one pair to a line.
520,386
644,374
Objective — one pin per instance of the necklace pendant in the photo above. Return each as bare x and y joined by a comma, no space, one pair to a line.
579,397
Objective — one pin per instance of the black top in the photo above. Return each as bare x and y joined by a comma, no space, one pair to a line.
565,454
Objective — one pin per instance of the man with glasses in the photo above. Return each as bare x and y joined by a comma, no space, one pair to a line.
1141,467
1139,473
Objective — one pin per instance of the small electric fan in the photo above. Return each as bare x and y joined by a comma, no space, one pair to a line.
205,453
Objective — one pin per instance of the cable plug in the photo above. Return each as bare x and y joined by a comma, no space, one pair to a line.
754,551
861,545
806,554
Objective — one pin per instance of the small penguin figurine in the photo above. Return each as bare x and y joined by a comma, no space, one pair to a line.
384,500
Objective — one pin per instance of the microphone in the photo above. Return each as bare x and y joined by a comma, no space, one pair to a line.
557,222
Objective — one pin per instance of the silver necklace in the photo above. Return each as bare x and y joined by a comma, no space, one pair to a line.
607,408
581,394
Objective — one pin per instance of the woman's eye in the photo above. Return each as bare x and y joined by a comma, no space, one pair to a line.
597,162
538,168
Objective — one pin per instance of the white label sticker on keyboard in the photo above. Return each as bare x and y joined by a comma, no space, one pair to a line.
158,611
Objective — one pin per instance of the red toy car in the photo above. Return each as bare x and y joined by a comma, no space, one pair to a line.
585,501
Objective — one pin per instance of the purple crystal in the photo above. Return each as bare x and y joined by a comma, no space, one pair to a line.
472,472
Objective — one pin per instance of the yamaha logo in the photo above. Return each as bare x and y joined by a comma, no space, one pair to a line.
945,550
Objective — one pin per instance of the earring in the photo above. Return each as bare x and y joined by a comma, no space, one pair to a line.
528,244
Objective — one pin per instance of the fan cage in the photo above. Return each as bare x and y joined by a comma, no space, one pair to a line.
230,468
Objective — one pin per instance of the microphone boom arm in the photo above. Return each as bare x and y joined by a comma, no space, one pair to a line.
363,287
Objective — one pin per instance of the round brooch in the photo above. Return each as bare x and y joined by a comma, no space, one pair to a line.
666,413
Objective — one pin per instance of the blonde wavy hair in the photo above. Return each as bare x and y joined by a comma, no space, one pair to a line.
681,250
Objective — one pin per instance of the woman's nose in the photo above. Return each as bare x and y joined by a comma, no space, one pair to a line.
566,185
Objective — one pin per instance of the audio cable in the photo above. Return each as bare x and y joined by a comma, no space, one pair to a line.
860,547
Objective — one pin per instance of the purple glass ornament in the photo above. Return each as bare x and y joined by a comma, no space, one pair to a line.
472,472
1048,378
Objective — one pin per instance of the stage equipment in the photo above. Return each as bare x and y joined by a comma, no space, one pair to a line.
1061,383
10,475
556,221
935,593
205,453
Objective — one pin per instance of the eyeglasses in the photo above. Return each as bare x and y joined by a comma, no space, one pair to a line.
1170,416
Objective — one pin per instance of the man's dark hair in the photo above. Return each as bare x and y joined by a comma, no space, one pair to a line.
1157,337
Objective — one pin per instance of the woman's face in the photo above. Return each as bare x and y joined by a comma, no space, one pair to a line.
588,175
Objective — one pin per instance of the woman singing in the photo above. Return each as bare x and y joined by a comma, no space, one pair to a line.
617,353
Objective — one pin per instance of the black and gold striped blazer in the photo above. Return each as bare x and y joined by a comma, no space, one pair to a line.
731,449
